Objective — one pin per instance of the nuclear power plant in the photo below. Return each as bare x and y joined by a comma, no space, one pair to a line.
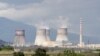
43,38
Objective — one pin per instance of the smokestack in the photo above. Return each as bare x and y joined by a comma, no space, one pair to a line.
19,38
41,36
62,35
81,32
81,43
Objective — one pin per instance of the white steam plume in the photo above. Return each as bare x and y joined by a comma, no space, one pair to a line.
57,22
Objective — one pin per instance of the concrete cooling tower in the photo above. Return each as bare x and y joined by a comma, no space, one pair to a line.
62,36
42,37
48,42
19,38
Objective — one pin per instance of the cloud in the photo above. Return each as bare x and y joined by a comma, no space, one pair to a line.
17,13
14,14
34,13
48,11
3,5
20,2
37,10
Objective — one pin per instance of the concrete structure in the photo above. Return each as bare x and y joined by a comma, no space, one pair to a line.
19,40
42,37
62,37
81,43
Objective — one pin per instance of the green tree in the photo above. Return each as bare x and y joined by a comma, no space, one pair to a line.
59,54
98,50
18,54
7,48
0,48
40,52
72,53
69,53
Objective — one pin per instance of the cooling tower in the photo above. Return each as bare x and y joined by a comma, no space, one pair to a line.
48,42
40,37
19,38
62,35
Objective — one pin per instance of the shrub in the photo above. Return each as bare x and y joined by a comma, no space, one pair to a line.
69,53
40,52
7,48
59,54
18,54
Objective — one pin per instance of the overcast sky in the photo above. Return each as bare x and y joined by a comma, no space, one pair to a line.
54,13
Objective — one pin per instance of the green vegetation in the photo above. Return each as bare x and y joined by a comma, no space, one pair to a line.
40,52
98,50
6,48
18,54
0,48
71,53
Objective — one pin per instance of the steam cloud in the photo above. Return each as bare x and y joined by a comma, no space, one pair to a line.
56,22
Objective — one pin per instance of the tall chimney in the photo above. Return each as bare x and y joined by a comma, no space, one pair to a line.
81,43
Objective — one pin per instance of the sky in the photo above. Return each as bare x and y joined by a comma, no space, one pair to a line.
55,13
